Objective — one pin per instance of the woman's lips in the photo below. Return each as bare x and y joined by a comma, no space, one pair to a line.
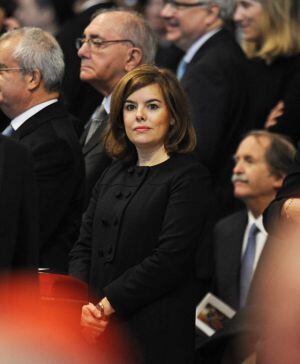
141,128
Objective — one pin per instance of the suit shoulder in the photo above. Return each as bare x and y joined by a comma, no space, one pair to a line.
236,217
224,53
14,146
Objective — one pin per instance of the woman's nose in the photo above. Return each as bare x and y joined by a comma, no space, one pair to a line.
140,115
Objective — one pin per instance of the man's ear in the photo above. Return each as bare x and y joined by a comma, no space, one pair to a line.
134,58
33,79
278,181
213,15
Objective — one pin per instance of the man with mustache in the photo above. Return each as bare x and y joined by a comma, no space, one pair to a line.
262,160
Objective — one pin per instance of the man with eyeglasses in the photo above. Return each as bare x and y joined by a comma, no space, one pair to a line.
31,70
80,98
212,72
114,43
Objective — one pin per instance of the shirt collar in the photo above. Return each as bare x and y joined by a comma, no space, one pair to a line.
257,221
106,103
20,119
198,44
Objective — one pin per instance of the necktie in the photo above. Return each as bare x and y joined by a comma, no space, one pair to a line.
96,119
181,69
8,131
247,264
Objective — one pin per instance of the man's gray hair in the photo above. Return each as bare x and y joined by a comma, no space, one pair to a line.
38,50
136,29
226,8
280,154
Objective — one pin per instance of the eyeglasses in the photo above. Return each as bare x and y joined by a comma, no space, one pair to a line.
178,4
98,43
7,69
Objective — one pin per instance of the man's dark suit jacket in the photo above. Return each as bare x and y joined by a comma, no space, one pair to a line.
59,171
95,158
228,242
223,347
215,83
18,208
81,99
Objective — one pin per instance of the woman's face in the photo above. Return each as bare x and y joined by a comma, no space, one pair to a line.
248,15
146,118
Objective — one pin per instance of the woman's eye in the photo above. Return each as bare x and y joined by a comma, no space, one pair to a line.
129,107
153,106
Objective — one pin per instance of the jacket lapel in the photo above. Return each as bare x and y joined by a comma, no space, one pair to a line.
95,138
54,110
229,255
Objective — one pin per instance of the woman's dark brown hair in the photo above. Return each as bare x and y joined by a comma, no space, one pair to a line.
181,137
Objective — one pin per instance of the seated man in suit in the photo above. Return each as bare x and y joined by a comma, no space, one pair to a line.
31,70
213,74
262,160
18,209
114,43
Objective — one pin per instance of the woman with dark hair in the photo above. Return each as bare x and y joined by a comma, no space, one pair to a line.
271,39
144,222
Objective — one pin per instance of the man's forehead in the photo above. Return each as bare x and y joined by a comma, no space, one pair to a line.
7,48
254,146
105,22
9,43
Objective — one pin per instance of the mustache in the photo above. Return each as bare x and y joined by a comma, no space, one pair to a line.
239,178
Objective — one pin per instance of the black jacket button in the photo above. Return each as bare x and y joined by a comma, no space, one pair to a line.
118,194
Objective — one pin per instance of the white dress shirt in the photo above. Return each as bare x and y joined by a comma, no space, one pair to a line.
198,44
20,119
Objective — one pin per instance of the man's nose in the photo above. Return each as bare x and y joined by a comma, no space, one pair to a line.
83,51
238,14
238,168
166,11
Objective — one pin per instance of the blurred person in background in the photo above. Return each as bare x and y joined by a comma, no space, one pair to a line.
7,22
213,73
36,13
167,54
135,252
270,32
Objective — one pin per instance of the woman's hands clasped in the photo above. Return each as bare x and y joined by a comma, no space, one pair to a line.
93,322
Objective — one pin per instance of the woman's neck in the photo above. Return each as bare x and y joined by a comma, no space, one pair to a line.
151,157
